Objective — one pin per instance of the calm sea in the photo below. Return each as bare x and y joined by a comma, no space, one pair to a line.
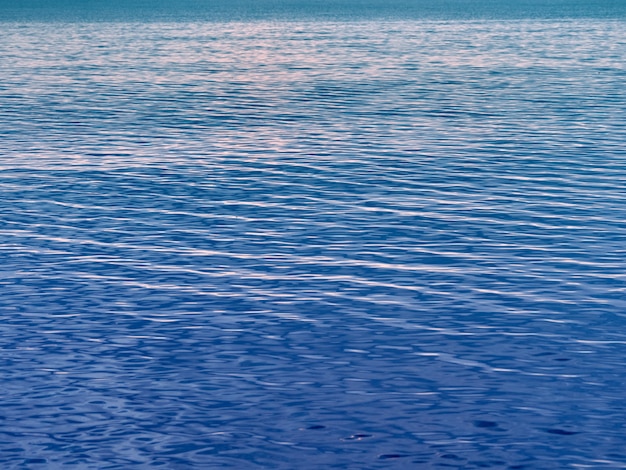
309,235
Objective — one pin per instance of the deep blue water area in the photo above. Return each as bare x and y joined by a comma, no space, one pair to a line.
269,244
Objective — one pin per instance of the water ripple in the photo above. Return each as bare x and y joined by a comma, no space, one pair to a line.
348,244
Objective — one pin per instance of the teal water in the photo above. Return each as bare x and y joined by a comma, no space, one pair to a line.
304,10
322,242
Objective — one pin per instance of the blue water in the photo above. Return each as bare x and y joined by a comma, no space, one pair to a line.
309,242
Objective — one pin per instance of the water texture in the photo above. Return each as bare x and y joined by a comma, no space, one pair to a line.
319,244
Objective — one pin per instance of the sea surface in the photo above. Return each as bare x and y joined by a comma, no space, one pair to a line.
313,236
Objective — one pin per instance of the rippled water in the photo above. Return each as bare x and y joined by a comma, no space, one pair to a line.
319,244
